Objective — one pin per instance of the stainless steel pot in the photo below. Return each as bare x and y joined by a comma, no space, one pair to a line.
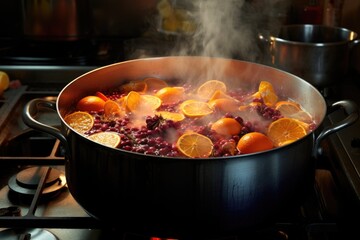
68,20
317,53
56,20
179,196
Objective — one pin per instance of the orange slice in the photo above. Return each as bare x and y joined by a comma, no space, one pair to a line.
285,130
150,101
171,115
137,86
267,93
226,126
110,139
194,108
132,101
80,121
113,109
254,142
255,95
169,95
194,145
219,94
121,101
302,116
293,110
227,105
208,88
287,108
154,84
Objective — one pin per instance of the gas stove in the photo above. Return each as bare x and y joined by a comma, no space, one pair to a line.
35,202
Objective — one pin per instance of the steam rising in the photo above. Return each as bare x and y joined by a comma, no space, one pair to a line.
230,28
227,29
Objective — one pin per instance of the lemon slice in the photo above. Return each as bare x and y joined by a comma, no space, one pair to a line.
80,121
194,108
195,145
208,89
110,139
171,115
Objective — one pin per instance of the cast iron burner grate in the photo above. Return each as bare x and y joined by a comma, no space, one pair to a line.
30,220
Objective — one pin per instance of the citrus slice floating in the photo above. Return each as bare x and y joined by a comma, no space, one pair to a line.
193,108
176,117
227,105
154,84
226,126
80,121
132,101
112,109
208,88
287,108
267,93
302,116
285,130
150,101
135,102
110,139
194,145
136,86
293,110
254,142
169,95
219,94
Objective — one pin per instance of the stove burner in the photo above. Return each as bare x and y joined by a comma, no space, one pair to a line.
27,234
25,183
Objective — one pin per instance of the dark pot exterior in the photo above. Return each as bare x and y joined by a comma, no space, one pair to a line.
185,196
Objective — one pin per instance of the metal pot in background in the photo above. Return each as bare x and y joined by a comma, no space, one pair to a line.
56,19
317,53
78,19
122,18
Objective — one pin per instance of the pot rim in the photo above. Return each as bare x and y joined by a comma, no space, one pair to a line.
151,59
352,35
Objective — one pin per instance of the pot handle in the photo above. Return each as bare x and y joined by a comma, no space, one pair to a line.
351,109
31,109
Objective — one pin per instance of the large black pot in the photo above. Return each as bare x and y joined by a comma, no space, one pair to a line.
179,196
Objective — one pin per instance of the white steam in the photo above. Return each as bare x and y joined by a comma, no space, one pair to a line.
230,28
